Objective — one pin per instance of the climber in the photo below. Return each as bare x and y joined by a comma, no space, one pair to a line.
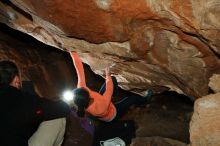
99,105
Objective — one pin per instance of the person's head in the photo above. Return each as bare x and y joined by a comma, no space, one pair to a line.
81,100
9,74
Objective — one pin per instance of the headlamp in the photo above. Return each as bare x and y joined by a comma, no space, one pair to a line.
68,96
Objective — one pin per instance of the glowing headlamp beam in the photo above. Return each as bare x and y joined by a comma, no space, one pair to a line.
68,96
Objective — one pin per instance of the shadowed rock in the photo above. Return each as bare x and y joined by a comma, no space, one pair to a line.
158,44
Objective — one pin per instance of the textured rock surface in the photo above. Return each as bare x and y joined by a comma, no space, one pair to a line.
204,126
214,83
168,115
159,44
156,141
47,67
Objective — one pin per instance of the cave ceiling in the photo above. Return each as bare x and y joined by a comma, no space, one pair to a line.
163,45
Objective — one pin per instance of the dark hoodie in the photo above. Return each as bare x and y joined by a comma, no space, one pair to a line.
21,114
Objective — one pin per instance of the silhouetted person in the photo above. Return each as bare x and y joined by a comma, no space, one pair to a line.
27,119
